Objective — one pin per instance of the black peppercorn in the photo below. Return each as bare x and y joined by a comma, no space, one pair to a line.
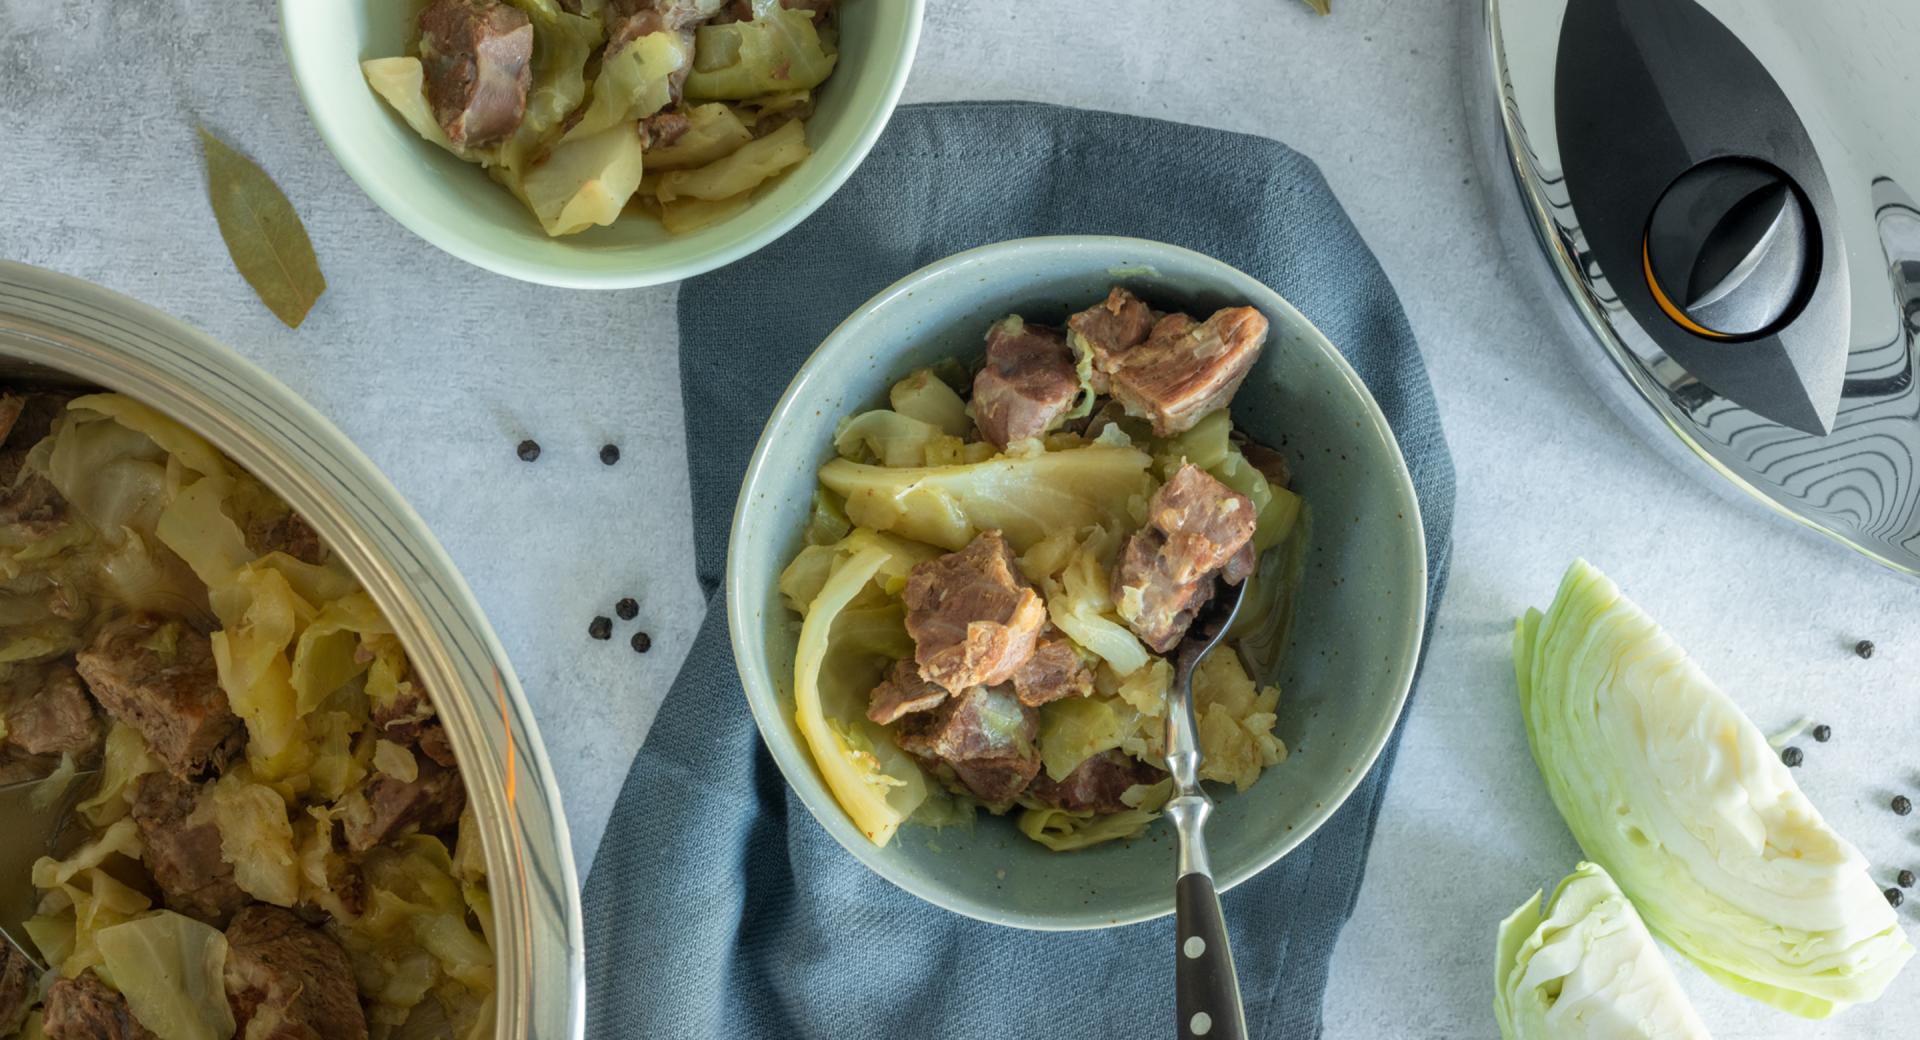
1902,804
600,627
609,454
642,642
628,609
1894,898
1792,756
1823,733
528,450
1905,878
1864,648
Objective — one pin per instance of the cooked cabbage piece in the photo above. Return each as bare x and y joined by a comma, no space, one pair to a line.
1586,969
171,969
584,181
1025,497
778,51
875,782
713,132
632,84
741,170
1670,788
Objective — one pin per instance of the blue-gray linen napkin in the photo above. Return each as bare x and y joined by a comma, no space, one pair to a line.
717,907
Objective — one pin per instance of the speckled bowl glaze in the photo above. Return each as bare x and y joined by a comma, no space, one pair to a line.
1359,610
455,206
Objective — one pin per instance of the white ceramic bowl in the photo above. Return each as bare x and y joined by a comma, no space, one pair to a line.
1359,608
455,206
61,330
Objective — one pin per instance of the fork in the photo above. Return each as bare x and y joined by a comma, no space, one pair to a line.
1207,994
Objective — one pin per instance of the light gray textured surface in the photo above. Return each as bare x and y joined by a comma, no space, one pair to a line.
438,369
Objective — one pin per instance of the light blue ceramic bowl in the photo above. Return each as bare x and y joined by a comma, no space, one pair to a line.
454,205
1359,610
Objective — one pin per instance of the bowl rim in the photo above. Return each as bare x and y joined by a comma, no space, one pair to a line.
120,344
337,133
752,662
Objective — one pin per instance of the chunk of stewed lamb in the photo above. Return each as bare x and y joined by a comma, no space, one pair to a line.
1196,528
902,693
27,497
182,840
1096,784
385,807
973,617
57,718
83,1008
287,980
1110,328
16,988
478,60
628,20
1204,522
289,533
1185,369
983,737
1054,672
160,679
1027,385
663,129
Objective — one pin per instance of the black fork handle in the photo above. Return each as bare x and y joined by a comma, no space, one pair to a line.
1206,992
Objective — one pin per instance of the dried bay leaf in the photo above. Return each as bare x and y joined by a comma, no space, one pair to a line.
1322,6
264,235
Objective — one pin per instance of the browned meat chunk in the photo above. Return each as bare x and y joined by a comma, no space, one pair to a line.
58,719
1054,672
27,497
903,692
663,129
1028,383
1271,464
83,1008
167,689
628,20
1186,369
287,980
1096,784
972,616
1196,527
385,807
16,988
983,737
288,533
1204,522
478,57
1110,328
177,827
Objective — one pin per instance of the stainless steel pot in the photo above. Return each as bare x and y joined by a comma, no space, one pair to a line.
1716,198
59,329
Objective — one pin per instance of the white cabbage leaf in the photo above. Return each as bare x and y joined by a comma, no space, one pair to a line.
1670,788
776,52
172,971
1025,497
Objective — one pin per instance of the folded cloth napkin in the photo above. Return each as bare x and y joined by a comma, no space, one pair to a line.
717,907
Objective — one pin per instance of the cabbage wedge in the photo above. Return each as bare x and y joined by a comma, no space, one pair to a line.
1678,796
1583,967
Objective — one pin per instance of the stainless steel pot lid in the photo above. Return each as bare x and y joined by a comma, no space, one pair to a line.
1724,192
